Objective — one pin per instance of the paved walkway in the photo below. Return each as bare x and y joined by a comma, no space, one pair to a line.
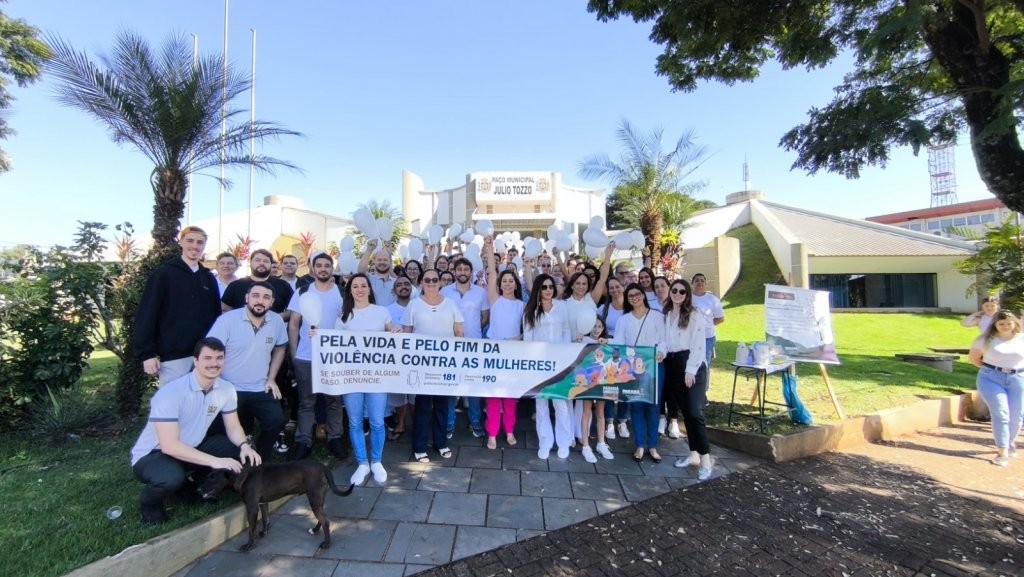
931,504
431,514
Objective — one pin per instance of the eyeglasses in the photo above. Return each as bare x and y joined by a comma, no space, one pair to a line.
547,287
678,291
545,266
432,280
633,296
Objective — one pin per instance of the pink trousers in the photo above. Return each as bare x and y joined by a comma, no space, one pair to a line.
500,411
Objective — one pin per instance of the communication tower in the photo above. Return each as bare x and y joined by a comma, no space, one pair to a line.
942,171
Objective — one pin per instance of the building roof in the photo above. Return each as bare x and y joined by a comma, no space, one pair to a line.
939,211
828,235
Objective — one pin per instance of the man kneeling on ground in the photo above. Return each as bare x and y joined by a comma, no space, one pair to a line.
175,439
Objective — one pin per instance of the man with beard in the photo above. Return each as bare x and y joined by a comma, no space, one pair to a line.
255,338
259,271
382,280
301,350
402,290
177,307
475,306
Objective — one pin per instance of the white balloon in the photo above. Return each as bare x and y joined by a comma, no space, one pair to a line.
485,227
310,309
593,252
347,243
533,248
554,231
415,249
638,239
403,252
478,240
348,263
623,239
549,244
476,261
454,231
365,222
518,261
515,235
434,234
508,242
585,320
596,238
467,235
597,221
563,243
472,248
384,228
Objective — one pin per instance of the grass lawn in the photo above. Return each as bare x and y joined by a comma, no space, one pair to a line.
55,497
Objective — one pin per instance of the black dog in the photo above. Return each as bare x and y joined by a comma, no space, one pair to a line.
258,486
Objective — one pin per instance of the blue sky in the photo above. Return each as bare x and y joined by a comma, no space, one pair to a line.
438,88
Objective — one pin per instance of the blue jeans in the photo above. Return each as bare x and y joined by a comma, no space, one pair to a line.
1003,394
375,404
709,349
475,410
645,417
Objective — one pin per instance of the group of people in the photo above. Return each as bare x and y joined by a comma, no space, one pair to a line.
998,352
233,347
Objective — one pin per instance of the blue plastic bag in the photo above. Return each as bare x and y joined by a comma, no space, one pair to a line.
797,410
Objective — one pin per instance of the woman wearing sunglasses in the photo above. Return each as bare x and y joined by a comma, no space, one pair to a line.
431,314
642,327
506,323
686,374
545,320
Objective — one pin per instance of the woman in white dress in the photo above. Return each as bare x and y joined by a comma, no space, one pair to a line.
545,320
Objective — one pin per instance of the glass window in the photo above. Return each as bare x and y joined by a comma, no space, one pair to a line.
915,226
947,222
959,221
933,225
973,219
988,217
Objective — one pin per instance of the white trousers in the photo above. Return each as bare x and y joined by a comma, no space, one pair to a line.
562,433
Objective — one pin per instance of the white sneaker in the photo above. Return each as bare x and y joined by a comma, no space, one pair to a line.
1013,453
704,473
623,430
609,432
379,474
543,454
362,471
662,423
588,455
604,451
1001,461
673,430
695,459
563,452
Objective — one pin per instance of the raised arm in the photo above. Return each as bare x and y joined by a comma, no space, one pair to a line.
368,250
491,268
602,280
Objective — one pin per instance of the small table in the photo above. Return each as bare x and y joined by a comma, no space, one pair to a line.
759,372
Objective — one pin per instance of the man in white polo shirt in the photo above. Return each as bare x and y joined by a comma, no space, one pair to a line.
255,338
476,311
382,278
175,437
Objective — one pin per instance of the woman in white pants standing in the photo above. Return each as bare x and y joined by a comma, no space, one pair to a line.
545,320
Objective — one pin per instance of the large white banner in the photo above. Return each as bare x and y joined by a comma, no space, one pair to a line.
370,362
800,322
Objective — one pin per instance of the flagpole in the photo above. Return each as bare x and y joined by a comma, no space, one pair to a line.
223,134
252,125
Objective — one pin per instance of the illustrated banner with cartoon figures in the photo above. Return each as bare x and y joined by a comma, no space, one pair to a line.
409,363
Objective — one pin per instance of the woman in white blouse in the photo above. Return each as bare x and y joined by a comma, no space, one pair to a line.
359,312
640,326
999,355
506,323
545,320
686,375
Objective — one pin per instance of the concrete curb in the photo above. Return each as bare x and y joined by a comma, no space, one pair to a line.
164,555
884,425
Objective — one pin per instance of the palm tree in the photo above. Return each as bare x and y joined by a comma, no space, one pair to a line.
649,183
394,214
169,110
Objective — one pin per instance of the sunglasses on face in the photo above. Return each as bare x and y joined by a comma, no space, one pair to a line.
546,287
678,291
634,296
433,280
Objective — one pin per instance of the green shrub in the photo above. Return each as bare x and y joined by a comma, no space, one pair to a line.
67,415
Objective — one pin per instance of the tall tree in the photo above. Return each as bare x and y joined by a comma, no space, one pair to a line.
170,111
22,54
649,182
384,209
923,71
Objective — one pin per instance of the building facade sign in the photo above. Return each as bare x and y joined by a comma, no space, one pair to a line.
501,187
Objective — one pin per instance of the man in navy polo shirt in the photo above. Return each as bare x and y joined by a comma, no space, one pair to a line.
255,338
175,438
